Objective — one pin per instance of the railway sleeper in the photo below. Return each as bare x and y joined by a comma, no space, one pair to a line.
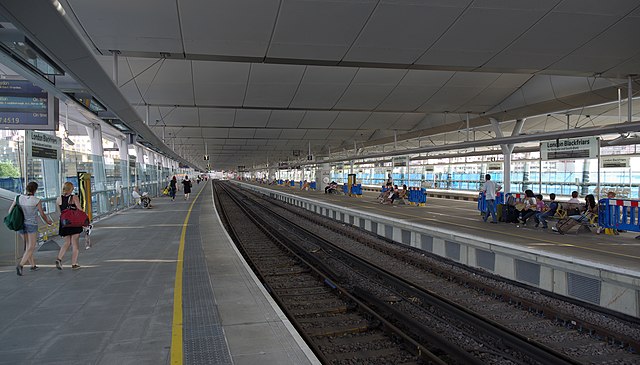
293,285
304,292
300,312
334,325
368,357
280,271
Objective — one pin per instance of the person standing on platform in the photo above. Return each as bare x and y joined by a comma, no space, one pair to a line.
490,189
71,235
173,186
186,183
30,206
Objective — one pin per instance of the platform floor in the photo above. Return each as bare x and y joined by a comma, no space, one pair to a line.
621,252
118,308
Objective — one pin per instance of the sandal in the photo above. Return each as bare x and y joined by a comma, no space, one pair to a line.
59,264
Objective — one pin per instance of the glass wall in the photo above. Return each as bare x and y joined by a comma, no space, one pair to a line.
527,172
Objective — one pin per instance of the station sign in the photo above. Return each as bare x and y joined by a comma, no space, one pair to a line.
615,161
570,148
494,166
26,106
42,145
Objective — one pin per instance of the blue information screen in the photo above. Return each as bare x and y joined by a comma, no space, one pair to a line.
22,103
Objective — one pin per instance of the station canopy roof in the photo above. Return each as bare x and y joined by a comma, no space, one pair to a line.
261,81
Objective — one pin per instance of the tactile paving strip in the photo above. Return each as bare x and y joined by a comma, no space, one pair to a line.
204,341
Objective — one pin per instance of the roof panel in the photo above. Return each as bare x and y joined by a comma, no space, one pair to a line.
272,85
219,83
350,120
267,133
552,38
408,121
228,27
400,31
318,29
212,117
318,119
321,87
251,118
171,84
493,29
174,116
296,134
317,134
242,133
142,25
381,120
285,118
369,88
215,132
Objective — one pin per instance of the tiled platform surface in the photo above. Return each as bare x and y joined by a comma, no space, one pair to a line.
118,308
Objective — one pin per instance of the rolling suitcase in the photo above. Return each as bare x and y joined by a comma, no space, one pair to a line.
565,224
500,212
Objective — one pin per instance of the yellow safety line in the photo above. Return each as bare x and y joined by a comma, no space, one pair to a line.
505,233
176,327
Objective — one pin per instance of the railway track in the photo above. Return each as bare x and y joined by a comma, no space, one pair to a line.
338,327
429,318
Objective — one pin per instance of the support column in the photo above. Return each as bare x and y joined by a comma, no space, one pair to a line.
525,176
507,149
629,99
139,179
153,175
323,175
584,188
115,67
123,185
99,174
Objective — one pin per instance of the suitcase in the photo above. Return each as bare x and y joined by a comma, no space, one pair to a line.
499,212
511,215
565,224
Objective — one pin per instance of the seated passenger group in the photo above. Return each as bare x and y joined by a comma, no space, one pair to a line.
391,193
534,206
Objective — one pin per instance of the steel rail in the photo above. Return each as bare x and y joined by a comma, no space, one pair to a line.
526,345
418,349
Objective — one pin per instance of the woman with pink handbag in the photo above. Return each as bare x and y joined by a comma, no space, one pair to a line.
71,234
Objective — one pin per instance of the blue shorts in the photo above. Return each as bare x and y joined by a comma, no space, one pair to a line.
29,228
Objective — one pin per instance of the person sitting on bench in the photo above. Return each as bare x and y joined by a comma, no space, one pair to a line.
541,217
137,198
331,188
590,212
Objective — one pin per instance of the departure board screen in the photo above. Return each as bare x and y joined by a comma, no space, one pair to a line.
24,105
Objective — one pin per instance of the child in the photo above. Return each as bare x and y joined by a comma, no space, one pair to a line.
542,215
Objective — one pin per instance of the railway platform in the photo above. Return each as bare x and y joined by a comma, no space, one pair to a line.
128,305
599,269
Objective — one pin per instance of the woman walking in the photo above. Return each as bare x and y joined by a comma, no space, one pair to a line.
71,234
173,186
30,206
187,187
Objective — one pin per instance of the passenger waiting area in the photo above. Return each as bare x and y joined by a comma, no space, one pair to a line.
611,216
